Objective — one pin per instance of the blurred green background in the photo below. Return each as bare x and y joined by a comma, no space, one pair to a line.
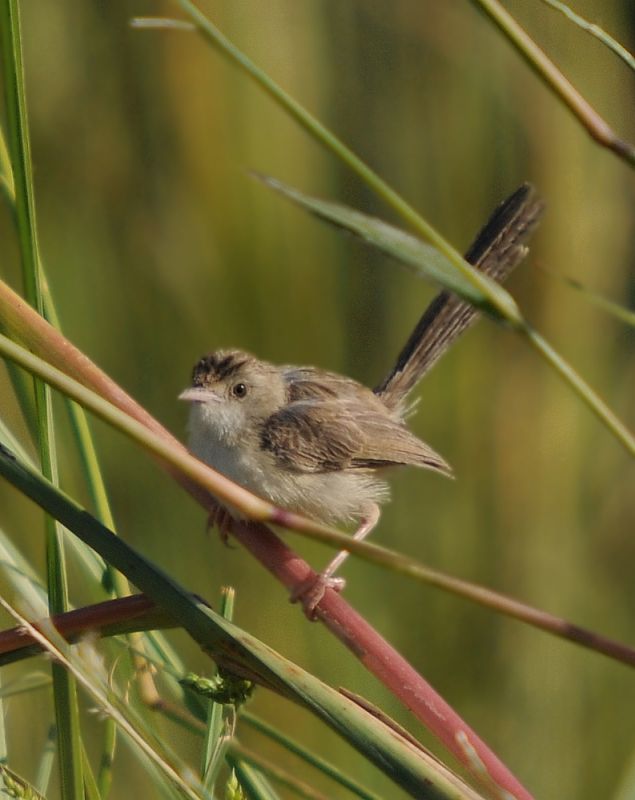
160,247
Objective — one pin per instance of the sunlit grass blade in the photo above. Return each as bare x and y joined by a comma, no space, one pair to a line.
30,682
48,638
14,562
595,31
426,260
47,761
64,690
221,719
612,308
307,755
564,91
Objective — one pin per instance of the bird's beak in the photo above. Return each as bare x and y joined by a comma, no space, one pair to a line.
197,394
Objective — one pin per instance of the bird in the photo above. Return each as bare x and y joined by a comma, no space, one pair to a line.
319,443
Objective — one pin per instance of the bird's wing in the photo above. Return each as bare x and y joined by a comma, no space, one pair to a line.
332,435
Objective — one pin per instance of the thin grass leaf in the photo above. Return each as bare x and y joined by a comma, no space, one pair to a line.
20,149
237,651
619,312
426,260
262,768
595,31
307,755
48,638
47,761
221,719
551,76
91,789
24,684
64,690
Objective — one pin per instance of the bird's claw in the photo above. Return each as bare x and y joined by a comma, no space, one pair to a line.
220,518
310,592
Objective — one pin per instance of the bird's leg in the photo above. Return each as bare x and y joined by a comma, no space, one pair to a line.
222,519
311,591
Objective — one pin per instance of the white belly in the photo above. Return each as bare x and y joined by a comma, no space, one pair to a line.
332,497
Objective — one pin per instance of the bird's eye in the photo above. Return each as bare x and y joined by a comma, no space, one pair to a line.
239,390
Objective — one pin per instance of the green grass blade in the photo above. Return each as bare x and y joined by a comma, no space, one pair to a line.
307,755
24,684
550,75
22,386
64,690
619,312
426,260
582,389
20,148
595,31
92,474
221,719
95,681
47,761
235,649
90,784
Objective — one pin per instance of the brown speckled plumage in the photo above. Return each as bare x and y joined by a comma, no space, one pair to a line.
316,442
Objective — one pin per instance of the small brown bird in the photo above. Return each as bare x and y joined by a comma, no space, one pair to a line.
317,442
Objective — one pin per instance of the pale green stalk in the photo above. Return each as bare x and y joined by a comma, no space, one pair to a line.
595,30
551,76
64,690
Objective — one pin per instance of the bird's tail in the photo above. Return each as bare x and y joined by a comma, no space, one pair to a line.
498,248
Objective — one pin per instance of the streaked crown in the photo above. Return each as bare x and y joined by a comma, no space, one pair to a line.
219,366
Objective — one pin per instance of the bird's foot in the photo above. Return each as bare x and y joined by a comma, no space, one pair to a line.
220,518
311,591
